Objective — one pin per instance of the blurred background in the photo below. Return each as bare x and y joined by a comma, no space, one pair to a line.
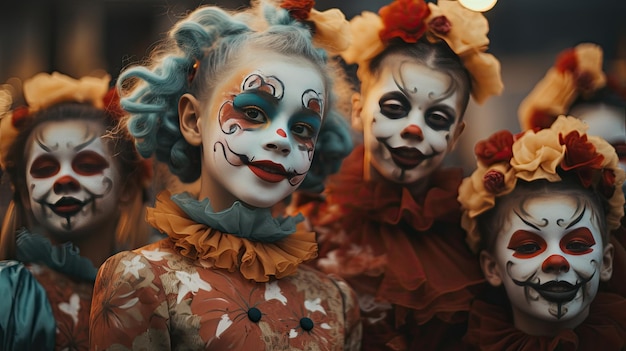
79,37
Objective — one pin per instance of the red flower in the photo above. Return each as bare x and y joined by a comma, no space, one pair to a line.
580,155
541,119
493,181
404,19
298,9
567,61
607,185
19,115
440,25
497,148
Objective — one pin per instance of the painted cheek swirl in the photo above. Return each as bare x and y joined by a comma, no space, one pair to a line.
313,102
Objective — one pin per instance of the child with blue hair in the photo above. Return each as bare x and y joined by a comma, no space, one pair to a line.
240,101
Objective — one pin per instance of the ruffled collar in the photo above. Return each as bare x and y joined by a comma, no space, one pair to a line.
491,329
253,224
391,203
256,260
64,258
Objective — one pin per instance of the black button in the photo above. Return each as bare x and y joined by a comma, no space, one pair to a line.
306,323
254,314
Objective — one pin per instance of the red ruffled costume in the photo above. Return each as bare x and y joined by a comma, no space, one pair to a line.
405,256
491,329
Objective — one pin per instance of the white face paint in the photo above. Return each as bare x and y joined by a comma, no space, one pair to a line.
410,119
261,130
550,259
72,179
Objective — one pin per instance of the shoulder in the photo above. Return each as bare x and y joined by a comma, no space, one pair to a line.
20,293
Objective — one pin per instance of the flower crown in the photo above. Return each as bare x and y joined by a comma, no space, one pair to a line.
464,31
45,90
577,72
544,154
331,30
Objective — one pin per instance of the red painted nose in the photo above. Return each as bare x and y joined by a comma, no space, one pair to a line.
555,263
66,184
412,132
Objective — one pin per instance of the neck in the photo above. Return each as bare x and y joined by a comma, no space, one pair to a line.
96,246
539,327
220,198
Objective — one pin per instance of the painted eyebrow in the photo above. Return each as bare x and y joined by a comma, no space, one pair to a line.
528,223
83,145
576,220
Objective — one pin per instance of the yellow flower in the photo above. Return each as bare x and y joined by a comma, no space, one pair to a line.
365,28
475,197
44,90
332,30
537,155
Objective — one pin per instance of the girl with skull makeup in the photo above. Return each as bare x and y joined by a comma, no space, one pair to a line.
79,189
238,101
539,209
389,225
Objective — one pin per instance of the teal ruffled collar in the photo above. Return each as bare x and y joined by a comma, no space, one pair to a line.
64,258
256,224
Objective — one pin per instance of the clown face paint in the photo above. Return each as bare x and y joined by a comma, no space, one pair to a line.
72,180
260,132
550,259
410,117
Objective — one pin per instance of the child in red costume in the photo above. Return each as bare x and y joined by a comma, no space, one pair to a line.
390,221
539,210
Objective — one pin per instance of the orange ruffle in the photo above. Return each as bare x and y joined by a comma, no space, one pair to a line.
257,261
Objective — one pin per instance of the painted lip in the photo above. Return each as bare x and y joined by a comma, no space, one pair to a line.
557,291
407,157
268,171
67,206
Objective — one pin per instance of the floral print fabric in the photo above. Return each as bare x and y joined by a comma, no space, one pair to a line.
155,299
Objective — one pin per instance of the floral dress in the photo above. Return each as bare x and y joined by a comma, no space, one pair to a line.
46,296
491,329
405,256
202,289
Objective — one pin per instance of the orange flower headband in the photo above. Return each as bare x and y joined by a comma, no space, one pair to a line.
577,72
45,90
331,29
464,31
545,154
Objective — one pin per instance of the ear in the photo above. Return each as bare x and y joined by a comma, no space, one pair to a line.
490,268
189,119
607,263
357,107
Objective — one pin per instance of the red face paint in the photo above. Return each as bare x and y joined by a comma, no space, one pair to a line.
526,244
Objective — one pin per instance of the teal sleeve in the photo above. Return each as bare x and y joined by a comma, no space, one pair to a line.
26,319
